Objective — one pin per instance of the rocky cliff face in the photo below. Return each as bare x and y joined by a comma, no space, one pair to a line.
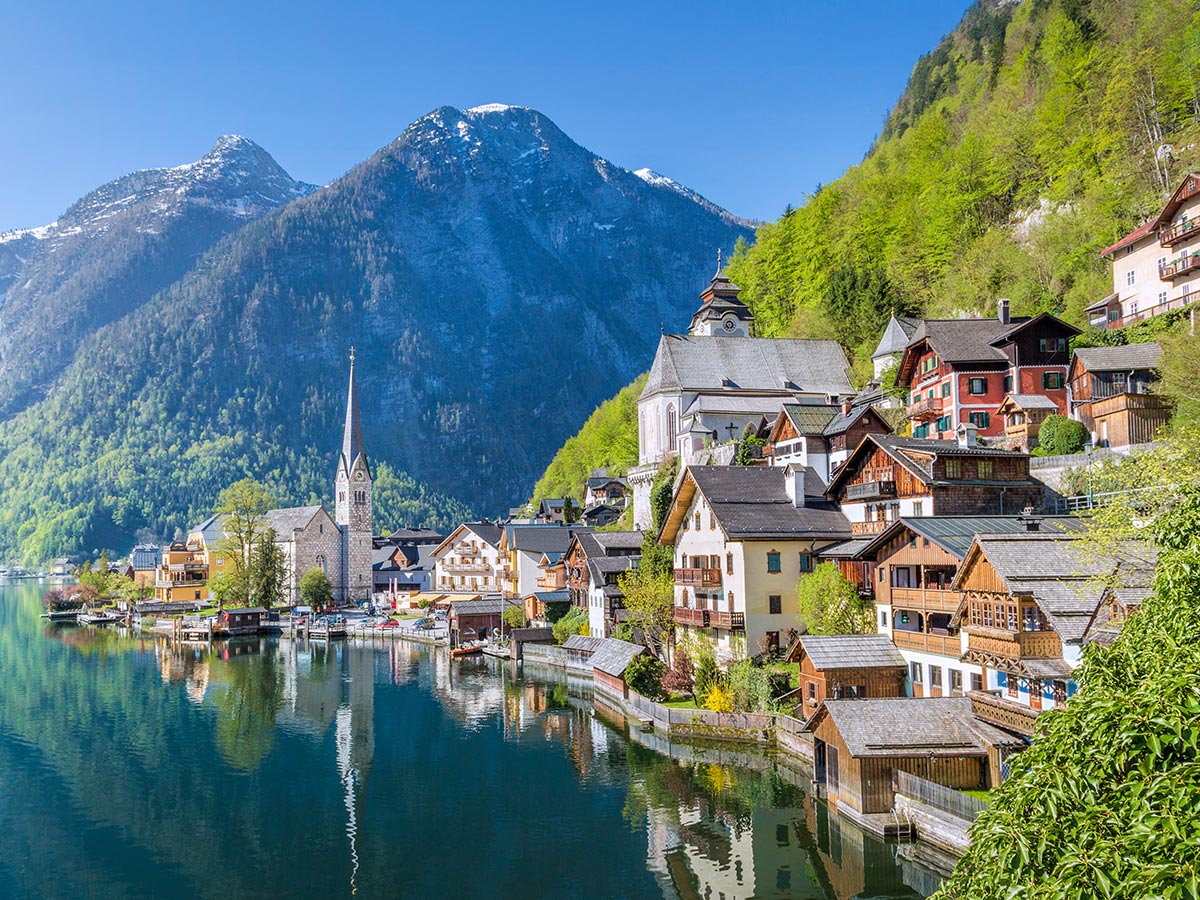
115,249
497,279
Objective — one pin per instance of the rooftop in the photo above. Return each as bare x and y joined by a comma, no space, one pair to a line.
614,656
907,726
1119,359
851,651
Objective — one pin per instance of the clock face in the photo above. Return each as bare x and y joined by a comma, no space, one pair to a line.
729,324
358,476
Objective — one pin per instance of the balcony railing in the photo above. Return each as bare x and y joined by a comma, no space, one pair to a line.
730,621
925,408
1014,645
698,577
871,490
1182,231
872,527
476,567
942,645
926,599
1180,267
696,618
1151,311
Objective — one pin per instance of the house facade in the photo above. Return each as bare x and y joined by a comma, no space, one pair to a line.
1156,267
469,560
958,371
821,436
1111,393
522,548
742,537
846,667
594,564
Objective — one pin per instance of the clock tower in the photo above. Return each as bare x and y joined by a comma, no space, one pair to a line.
721,312
353,508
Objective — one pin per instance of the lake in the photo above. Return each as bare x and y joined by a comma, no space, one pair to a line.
274,768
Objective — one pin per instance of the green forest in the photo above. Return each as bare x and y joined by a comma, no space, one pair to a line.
1028,140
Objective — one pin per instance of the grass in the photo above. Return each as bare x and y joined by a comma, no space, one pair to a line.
678,701
979,795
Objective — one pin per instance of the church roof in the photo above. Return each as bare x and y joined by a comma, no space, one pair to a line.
352,439
896,336
293,518
766,365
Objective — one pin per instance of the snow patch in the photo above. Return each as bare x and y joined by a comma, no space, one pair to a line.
490,108
40,233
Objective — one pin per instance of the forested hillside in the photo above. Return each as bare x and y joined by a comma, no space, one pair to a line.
1032,137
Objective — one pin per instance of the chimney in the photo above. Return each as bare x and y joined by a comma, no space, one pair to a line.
1031,522
846,407
967,434
793,483
1002,312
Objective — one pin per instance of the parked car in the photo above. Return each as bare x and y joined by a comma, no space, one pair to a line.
387,623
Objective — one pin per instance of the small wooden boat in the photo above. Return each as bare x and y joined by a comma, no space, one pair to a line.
468,650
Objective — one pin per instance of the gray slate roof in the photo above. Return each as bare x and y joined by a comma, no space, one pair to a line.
583,643
1120,359
851,651
1033,401
561,596
485,531
752,502
965,340
614,656
294,518
489,606
810,418
896,336
619,540
906,726
778,365
542,538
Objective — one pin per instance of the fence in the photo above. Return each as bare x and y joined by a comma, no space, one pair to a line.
546,653
1091,501
758,727
948,800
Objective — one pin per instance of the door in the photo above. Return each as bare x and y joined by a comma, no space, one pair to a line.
1035,693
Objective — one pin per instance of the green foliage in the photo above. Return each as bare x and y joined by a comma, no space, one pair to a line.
751,688
315,588
608,439
1059,436
749,449
708,674
268,572
1103,802
1030,138
555,611
830,603
574,622
644,675
649,603
514,616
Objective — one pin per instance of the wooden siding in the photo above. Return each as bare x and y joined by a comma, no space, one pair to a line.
879,466
1127,419
878,682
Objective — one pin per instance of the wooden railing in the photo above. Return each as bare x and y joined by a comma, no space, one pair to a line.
1151,311
1179,267
870,490
730,621
696,618
1015,645
989,707
925,408
942,645
1181,231
926,599
698,577
873,527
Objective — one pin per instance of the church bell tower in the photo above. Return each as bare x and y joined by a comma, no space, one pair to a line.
353,509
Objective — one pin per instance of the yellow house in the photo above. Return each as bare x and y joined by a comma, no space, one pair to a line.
187,566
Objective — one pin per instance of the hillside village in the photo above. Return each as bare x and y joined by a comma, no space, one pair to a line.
923,504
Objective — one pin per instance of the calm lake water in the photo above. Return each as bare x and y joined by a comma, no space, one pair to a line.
272,768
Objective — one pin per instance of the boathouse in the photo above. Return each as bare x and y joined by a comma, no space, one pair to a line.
846,667
476,619
609,662
242,621
859,744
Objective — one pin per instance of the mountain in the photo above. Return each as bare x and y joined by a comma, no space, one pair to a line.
115,249
497,279
1028,139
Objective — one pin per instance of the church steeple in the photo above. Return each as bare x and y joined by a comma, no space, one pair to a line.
721,312
352,442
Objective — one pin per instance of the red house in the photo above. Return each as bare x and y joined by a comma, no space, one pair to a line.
960,370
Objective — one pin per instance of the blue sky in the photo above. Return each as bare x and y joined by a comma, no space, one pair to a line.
752,109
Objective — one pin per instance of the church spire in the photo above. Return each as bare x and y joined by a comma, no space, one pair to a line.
352,441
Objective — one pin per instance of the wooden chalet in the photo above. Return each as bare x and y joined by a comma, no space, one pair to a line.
1023,415
1111,393
859,744
887,477
820,435
235,622
845,667
475,619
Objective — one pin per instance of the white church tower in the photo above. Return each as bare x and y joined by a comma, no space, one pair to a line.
353,511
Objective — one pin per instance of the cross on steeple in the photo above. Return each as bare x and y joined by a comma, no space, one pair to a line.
718,260
352,354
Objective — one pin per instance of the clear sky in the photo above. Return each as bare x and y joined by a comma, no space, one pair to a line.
752,105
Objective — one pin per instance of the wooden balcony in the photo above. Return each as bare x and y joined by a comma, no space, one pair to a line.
870,490
698,577
998,643
924,409
873,527
942,645
1151,311
552,583
926,599
696,618
1182,231
1179,268
730,621
990,707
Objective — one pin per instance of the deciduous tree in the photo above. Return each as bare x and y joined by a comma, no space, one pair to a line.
830,603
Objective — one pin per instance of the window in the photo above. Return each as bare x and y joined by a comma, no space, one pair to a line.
985,469
812,690
1053,345
806,562
976,681
773,564
980,419
954,468
918,508
775,604
956,680
883,618
712,524
945,389
1129,277
1060,692
935,676
728,563
1008,384
697,520
915,672
671,427
1162,297
1052,381
977,386
1013,685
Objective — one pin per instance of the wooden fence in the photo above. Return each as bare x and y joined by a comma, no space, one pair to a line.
948,800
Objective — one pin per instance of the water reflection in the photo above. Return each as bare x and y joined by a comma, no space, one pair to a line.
381,770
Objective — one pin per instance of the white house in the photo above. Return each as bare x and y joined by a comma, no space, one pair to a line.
742,538
469,560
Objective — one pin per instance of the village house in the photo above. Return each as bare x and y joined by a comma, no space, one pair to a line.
708,386
914,561
602,489
476,618
609,662
600,516
1027,600
742,537
845,667
145,560
896,336
820,436
400,571
1156,267
1023,415
887,477
469,559
186,566
1111,393
958,371
859,744
593,565
522,548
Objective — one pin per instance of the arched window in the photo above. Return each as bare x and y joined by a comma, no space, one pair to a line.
672,426
321,562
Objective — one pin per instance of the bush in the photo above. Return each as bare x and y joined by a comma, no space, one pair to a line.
514,616
719,699
1060,436
708,675
574,622
750,688
644,675
680,678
